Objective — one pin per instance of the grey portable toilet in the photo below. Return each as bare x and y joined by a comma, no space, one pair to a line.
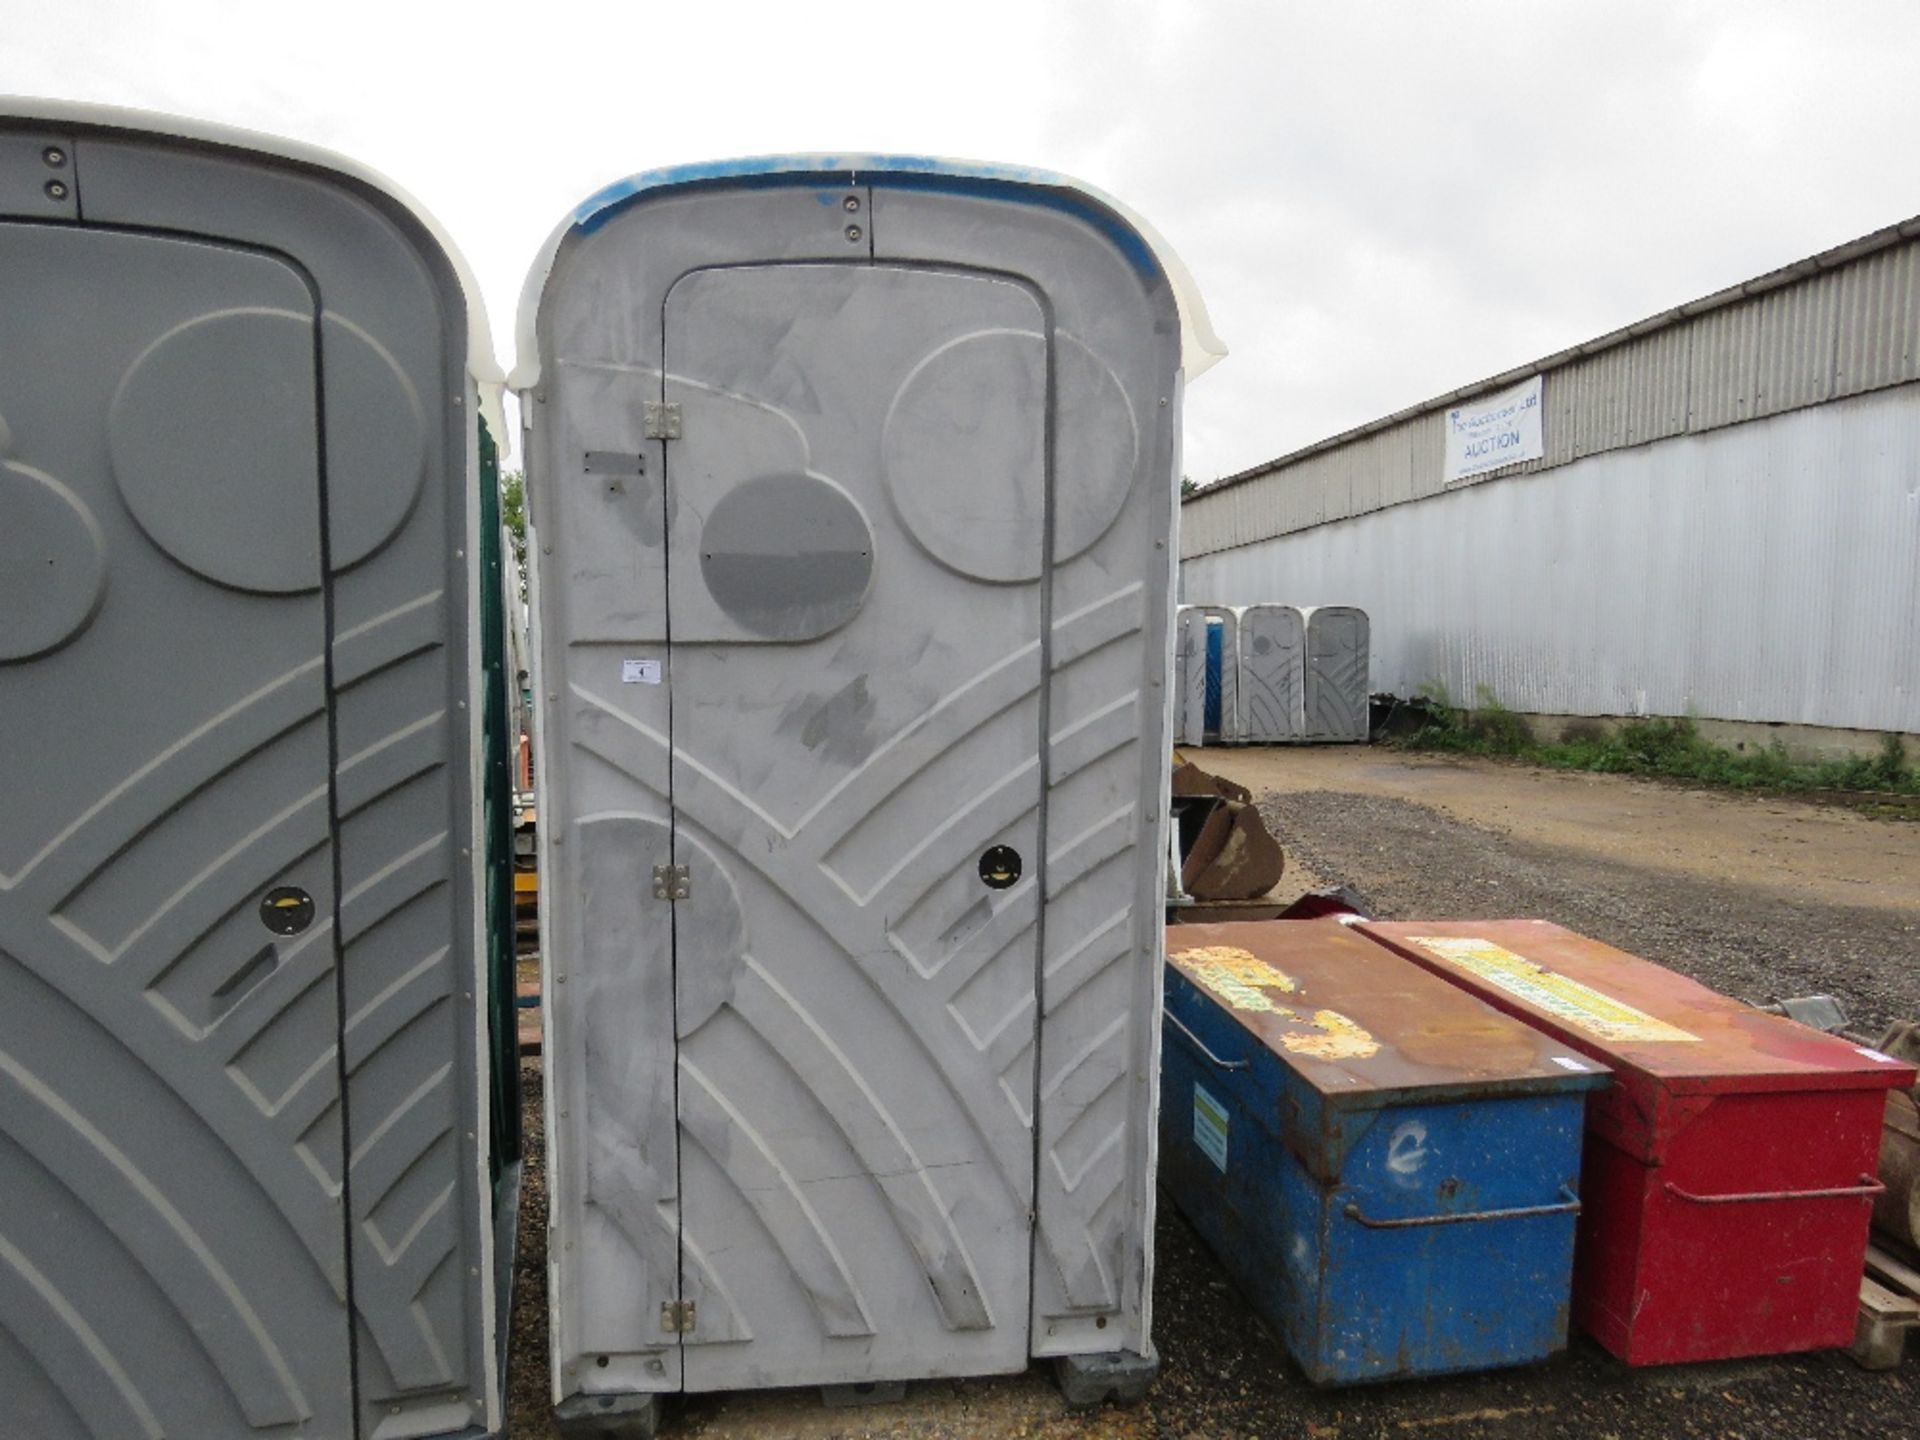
1336,689
851,480
1189,675
1273,653
246,1130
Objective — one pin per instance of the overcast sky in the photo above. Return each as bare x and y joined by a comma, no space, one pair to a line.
1380,201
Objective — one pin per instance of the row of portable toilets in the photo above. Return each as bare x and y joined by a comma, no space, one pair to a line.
1270,674
849,483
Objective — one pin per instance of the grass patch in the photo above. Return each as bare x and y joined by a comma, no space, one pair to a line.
1668,747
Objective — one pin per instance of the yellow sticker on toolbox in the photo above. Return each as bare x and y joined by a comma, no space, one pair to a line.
1237,977
1566,999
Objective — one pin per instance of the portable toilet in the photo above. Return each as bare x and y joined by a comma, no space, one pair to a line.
1190,671
852,481
1336,682
1210,678
255,1137
1273,656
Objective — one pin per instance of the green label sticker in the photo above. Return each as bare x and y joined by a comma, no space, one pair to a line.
1210,1127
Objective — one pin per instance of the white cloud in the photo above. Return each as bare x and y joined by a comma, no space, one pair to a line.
1380,201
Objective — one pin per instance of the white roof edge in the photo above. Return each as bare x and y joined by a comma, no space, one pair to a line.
1200,347
482,364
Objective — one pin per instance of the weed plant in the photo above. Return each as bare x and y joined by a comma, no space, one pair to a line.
1671,747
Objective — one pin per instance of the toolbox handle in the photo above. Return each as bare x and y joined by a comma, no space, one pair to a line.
1868,1186
1201,1045
1569,1202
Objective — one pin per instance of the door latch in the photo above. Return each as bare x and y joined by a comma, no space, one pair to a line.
661,421
671,882
677,1316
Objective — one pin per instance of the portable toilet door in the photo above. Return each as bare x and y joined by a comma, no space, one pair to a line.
1273,654
1190,675
1337,694
1221,724
244,1138
850,482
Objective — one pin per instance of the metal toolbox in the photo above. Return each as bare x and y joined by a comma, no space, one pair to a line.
1387,1167
1730,1169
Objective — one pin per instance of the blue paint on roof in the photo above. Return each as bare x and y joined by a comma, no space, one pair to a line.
1021,184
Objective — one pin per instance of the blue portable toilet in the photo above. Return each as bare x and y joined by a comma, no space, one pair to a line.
1390,1176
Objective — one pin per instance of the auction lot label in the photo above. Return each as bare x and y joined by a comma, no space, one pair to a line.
1581,1006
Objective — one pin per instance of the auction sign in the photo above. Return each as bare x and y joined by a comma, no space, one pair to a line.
1501,429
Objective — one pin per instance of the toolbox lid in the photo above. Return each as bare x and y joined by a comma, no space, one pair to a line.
1634,1015
1364,1028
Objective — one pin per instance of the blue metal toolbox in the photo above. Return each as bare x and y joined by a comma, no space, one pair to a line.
1387,1167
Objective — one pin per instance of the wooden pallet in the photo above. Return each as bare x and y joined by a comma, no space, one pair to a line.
1889,1307
528,1016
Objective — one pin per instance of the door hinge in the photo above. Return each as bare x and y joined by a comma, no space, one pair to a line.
662,421
677,1316
671,882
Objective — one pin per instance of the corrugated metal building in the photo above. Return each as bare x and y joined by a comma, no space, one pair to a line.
1725,521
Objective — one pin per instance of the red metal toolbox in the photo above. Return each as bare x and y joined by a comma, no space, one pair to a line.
1729,1170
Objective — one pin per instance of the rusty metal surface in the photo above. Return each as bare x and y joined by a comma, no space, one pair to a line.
1898,1211
1189,779
1211,912
1233,857
1659,1024
1355,1022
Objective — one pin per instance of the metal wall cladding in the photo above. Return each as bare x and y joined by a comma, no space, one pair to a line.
1761,572
1878,342
1386,1167
861,1087
1839,327
1729,1172
243,1164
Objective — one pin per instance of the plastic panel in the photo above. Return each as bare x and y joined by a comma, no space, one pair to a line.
831,788
398,413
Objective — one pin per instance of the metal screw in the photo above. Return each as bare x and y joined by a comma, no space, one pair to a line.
854,232
56,190
851,203
54,156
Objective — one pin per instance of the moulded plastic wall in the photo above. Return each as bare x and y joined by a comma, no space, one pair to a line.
852,990
1336,673
243,1125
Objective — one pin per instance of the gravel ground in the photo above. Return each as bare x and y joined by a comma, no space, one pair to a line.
1412,862
1223,1376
